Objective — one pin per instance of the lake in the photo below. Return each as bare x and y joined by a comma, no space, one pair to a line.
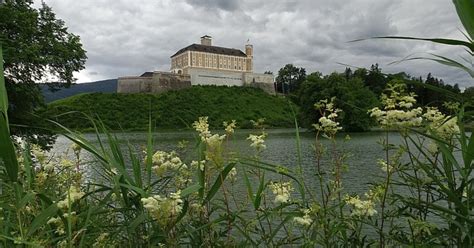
281,149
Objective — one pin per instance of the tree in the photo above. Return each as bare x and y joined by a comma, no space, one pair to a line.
37,48
375,80
290,78
352,97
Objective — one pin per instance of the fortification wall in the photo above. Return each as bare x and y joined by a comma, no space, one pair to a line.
261,81
134,84
158,83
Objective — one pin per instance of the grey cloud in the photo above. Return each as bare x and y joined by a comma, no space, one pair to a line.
129,37
228,5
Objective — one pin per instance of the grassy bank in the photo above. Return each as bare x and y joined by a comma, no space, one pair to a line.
175,109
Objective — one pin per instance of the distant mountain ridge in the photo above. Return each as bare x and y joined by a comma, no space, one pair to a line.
102,86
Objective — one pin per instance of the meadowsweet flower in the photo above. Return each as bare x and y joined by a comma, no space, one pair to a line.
66,163
232,174
56,221
258,124
101,241
164,161
38,153
215,140
198,164
183,144
76,148
258,141
361,208
397,111
164,209
49,167
385,167
74,194
214,150
281,191
202,127
327,122
305,220
229,127
440,124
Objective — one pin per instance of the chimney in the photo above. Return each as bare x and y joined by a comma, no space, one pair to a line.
206,40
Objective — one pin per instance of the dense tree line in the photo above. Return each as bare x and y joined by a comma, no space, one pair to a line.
357,91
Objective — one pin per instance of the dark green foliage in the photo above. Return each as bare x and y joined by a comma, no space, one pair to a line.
36,45
351,96
174,109
428,97
289,79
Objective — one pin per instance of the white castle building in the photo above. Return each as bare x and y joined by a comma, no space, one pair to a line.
201,64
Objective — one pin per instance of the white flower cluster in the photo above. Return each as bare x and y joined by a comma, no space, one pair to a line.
198,164
213,141
385,167
327,122
229,127
397,108
74,194
164,209
281,191
202,127
361,208
232,174
440,124
305,220
258,141
164,161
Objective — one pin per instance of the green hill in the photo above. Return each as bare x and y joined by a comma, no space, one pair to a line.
174,109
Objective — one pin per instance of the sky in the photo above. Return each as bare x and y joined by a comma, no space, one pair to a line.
124,38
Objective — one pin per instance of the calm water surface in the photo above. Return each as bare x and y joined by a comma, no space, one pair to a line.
281,149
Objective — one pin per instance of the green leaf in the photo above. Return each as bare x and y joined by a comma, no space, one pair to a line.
42,218
7,150
443,41
465,10
189,190
3,90
219,180
26,199
137,221
259,194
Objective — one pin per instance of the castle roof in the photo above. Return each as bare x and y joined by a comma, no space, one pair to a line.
211,49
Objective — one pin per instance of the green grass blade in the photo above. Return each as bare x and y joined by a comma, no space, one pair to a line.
219,180
249,186
41,219
149,151
261,187
7,150
3,89
443,41
465,10
191,189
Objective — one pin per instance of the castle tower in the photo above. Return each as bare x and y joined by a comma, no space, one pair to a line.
206,40
249,53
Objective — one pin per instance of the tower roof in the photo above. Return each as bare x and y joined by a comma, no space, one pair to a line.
211,49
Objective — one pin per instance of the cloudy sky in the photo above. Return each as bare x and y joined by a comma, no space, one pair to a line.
130,37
